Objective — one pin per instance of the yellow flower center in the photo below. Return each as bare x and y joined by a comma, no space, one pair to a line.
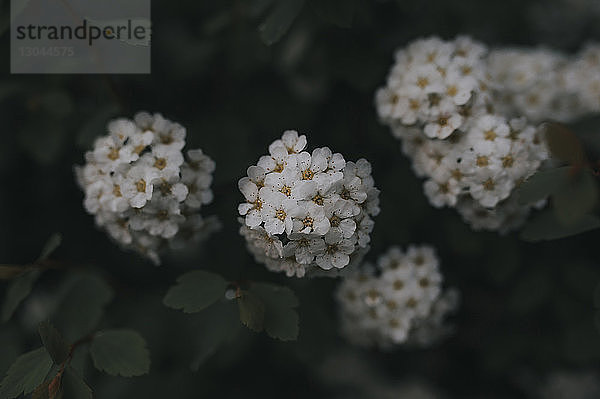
113,154
117,191
482,161
489,184
317,199
308,222
490,135
286,190
508,161
452,91
160,163
280,214
140,185
307,174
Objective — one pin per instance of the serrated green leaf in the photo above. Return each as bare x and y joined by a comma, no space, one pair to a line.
18,290
281,319
73,386
51,245
53,342
564,144
195,291
120,352
542,184
338,12
279,20
575,198
82,305
545,226
252,311
25,374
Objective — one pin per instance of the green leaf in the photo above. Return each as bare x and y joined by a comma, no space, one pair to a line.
542,184
120,352
42,391
53,342
545,226
195,291
53,242
564,144
279,21
252,311
338,12
73,386
219,325
18,290
82,305
26,373
576,197
281,320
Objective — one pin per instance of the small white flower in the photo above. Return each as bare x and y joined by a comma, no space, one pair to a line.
310,219
121,129
253,207
109,155
304,247
165,217
337,251
290,140
278,160
165,161
278,212
137,185
340,217
444,125
442,193
490,187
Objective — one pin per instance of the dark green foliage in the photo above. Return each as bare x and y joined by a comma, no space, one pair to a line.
26,373
281,319
236,74
17,291
195,291
82,305
120,352
564,144
271,308
73,386
53,342
545,226
252,310
542,184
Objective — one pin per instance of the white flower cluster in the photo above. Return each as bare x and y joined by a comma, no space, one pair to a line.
542,84
140,187
306,211
400,301
437,101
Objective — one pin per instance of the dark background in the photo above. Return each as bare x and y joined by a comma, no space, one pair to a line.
527,309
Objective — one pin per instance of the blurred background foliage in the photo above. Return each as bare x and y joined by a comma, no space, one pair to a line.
237,73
